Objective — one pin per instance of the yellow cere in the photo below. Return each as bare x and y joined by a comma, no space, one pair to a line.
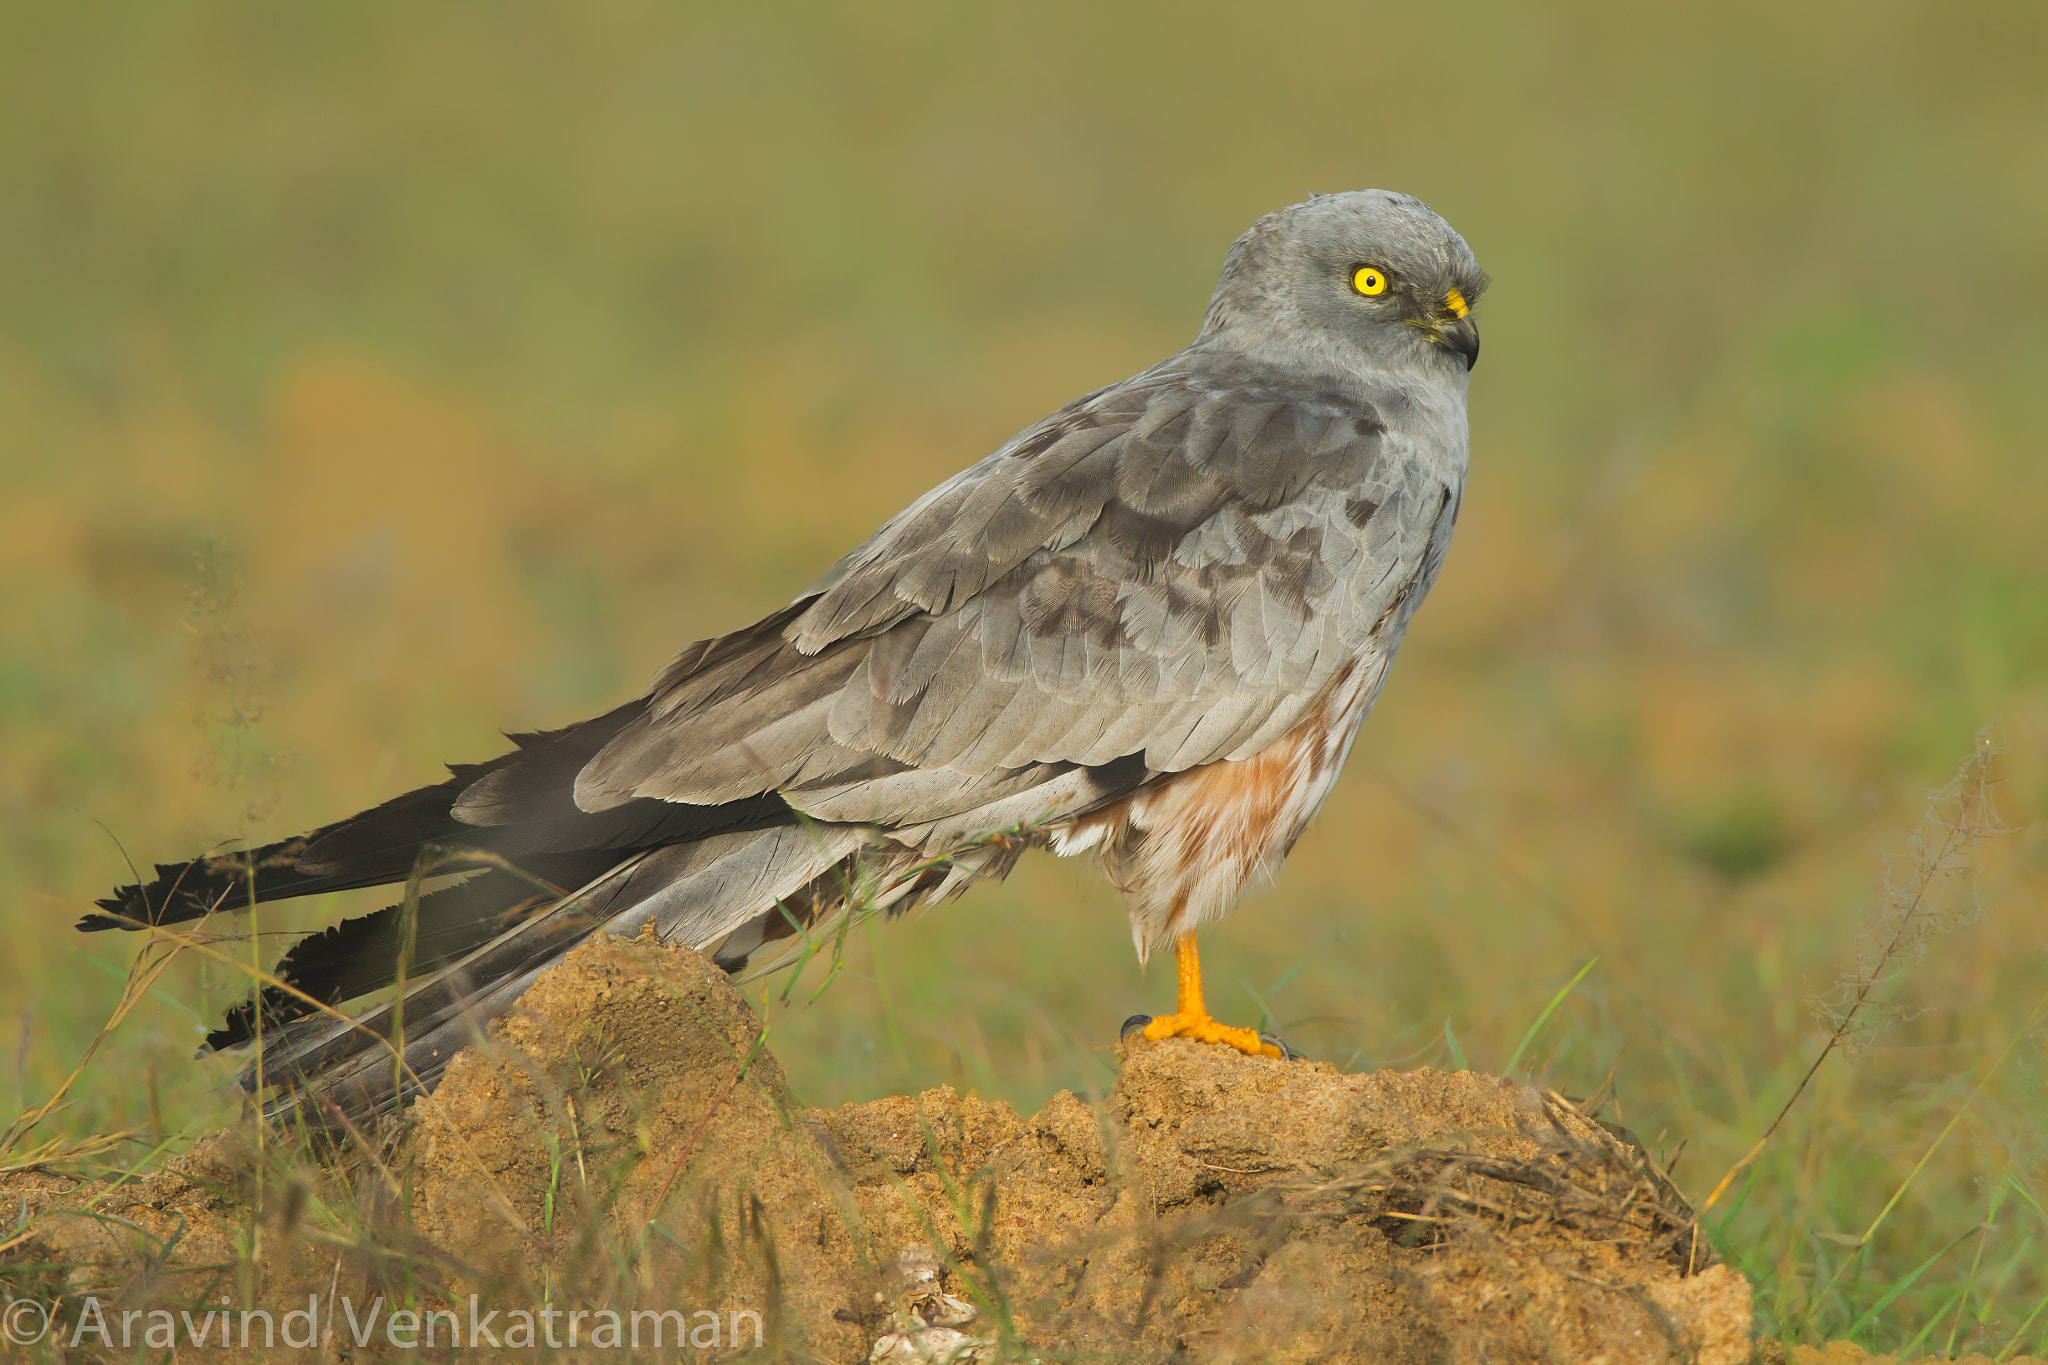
1369,280
1454,302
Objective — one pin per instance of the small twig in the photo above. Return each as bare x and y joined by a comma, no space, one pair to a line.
690,1146
576,1135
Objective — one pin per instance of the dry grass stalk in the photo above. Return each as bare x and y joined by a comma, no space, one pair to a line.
1926,892
1589,1181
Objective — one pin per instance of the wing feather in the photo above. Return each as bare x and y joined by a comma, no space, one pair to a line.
1171,567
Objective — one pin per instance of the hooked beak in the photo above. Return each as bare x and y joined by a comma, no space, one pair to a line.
1460,336
1455,330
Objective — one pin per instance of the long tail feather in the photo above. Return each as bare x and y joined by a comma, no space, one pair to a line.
362,955
380,846
694,894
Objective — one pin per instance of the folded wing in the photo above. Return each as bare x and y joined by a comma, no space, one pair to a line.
1170,568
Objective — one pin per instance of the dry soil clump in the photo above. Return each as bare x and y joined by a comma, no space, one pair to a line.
625,1141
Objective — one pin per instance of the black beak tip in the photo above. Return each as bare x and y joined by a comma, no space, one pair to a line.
1461,336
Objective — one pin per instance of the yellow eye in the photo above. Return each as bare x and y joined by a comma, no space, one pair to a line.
1369,280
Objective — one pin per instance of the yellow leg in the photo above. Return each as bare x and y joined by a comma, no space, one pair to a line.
1192,1019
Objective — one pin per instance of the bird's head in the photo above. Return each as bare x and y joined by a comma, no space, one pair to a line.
1367,279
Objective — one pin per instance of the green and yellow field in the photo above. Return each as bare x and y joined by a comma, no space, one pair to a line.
376,378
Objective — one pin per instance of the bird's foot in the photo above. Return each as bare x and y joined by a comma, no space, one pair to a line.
1204,1029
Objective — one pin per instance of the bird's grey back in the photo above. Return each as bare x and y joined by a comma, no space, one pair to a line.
1174,567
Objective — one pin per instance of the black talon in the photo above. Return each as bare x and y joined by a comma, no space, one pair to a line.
1287,1054
1135,1024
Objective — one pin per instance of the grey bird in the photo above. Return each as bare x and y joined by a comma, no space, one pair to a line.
1149,626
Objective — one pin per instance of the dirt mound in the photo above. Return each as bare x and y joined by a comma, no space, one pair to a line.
625,1142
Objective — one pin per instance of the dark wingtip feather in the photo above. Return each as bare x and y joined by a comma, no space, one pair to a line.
361,955
116,916
181,891
238,1026
125,909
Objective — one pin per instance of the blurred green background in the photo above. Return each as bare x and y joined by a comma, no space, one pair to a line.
501,349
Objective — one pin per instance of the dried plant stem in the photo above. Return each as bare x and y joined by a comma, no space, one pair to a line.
142,975
1958,816
690,1145
1749,1157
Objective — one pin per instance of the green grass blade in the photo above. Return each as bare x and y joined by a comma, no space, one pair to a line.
1458,1062
1911,1350
2020,1333
1885,1301
1265,1010
1544,1018
1976,1263
1720,1233
1983,1083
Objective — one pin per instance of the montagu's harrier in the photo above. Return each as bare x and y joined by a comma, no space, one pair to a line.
1148,626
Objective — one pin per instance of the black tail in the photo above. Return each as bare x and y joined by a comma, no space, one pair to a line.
362,955
695,893
536,848
382,845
